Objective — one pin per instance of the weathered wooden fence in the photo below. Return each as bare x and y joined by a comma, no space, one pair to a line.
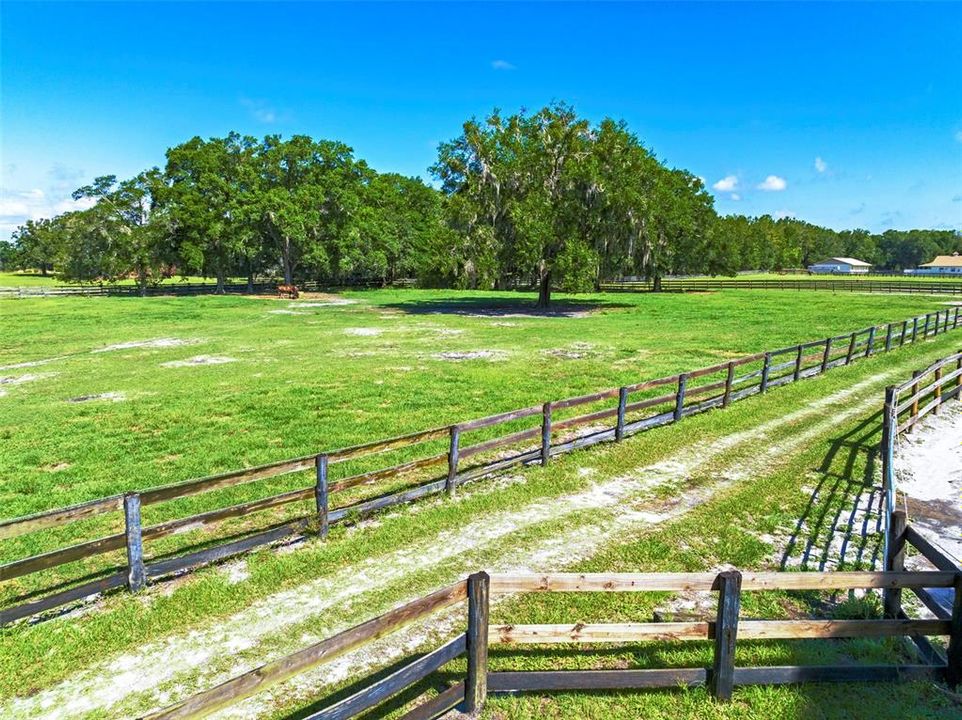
723,632
856,285
906,404
528,435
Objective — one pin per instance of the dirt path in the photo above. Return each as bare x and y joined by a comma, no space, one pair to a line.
169,669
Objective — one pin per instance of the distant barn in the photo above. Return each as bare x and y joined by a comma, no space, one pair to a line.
840,266
942,265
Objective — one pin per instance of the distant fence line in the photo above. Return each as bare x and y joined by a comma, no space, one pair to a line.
703,285
727,629
710,387
694,284
179,288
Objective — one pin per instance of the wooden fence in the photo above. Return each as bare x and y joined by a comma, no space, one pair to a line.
723,632
906,404
506,439
862,285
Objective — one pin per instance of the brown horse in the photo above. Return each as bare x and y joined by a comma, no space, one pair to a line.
289,290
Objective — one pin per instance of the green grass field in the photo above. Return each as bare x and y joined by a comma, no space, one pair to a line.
30,278
772,481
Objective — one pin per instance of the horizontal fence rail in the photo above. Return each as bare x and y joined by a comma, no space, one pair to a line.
456,452
834,285
723,631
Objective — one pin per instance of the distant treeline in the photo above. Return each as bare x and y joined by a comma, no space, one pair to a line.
545,199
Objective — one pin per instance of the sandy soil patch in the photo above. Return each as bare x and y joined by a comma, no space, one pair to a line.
363,331
7,382
114,396
575,351
32,363
286,312
200,360
928,469
156,343
461,355
328,303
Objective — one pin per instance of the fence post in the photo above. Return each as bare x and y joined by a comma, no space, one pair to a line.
888,338
136,574
958,377
729,584
766,366
915,328
895,539
851,349
680,396
828,351
727,399
871,341
798,365
476,683
622,405
905,327
953,669
545,433
320,494
955,320
451,484
938,391
915,401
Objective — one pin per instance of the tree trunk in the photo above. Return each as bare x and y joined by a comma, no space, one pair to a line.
657,286
43,269
286,258
250,277
220,280
544,290
142,280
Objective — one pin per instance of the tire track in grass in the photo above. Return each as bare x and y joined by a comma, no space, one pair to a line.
183,658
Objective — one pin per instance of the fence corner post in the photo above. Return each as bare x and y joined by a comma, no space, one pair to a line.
888,338
915,401
727,398
545,433
622,406
136,574
766,369
722,679
871,341
451,483
798,364
321,495
680,396
895,562
476,682
851,349
825,355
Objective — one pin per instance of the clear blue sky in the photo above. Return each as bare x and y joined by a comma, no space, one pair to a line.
849,115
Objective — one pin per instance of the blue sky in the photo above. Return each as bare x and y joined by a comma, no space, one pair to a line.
847,115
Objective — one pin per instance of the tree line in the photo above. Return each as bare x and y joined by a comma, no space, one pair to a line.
544,199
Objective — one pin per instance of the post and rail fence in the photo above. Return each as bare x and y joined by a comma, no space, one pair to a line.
634,408
938,287
906,405
724,632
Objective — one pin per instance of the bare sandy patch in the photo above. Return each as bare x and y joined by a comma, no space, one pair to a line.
329,303
156,343
12,380
461,355
363,331
575,351
200,360
32,363
113,396
286,312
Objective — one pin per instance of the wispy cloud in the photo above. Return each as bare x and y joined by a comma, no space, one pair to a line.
261,111
502,65
736,196
18,206
820,165
726,184
773,183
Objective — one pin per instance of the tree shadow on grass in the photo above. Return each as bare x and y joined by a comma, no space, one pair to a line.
841,526
499,306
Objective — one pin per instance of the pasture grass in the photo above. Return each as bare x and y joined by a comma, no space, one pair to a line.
622,339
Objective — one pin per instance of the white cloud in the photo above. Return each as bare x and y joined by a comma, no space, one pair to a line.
18,206
726,184
821,165
736,196
781,214
502,65
773,183
260,110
